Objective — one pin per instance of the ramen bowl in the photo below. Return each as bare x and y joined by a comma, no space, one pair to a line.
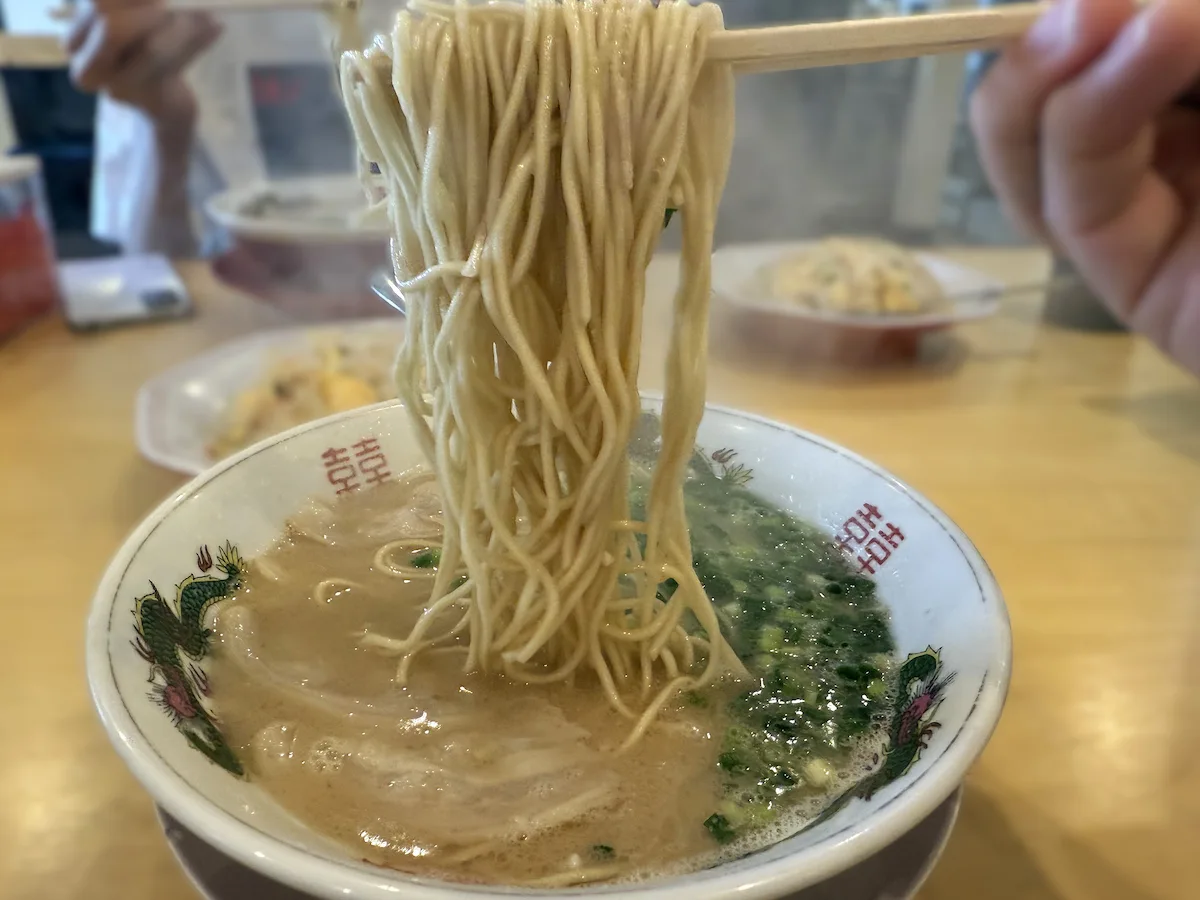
304,245
146,667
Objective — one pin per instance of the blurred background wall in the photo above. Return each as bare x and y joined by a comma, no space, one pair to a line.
878,149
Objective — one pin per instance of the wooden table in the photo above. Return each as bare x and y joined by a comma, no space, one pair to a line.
1072,460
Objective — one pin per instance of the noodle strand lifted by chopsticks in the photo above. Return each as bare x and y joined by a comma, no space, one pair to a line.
541,143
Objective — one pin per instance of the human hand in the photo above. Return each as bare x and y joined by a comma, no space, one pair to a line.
136,51
1080,134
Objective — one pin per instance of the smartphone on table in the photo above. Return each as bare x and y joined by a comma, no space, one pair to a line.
121,290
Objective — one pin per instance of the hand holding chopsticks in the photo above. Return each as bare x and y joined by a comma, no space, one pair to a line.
1080,132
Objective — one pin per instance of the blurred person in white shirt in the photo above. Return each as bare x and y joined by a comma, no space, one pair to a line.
191,103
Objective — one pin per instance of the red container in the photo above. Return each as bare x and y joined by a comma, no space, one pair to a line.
28,274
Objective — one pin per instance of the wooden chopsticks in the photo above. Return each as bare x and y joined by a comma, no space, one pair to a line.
811,45
800,46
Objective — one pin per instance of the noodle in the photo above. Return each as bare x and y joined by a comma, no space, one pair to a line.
528,153
329,588
383,558
343,18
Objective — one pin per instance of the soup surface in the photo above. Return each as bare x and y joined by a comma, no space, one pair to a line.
472,778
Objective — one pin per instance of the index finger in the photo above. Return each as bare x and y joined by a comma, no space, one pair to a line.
1104,201
108,41
1006,108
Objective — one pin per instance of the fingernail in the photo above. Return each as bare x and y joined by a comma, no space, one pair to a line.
1137,31
1055,31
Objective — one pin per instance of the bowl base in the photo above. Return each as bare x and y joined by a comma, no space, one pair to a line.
895,873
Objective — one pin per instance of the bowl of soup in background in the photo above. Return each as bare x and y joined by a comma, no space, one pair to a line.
146,666
304,245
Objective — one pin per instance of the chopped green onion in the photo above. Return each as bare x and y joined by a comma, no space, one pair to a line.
770,639
428,559
732,762
776,594
812,633
818,772
718,826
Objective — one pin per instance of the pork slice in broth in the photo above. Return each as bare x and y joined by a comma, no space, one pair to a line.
462,778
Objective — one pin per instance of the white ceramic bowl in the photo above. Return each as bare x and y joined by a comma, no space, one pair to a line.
323,209
946,609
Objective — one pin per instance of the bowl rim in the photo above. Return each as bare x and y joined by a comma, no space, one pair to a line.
227,209
290,865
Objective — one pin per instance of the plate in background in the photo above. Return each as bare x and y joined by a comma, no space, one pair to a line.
179,411
737,281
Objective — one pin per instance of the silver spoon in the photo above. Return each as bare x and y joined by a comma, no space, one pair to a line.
383,283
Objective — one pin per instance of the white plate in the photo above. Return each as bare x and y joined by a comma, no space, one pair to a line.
737,281
894,873
315,210
179,410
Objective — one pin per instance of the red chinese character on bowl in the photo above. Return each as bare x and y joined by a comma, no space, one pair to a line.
868,539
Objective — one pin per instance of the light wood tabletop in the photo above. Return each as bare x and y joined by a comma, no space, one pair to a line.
1072,459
